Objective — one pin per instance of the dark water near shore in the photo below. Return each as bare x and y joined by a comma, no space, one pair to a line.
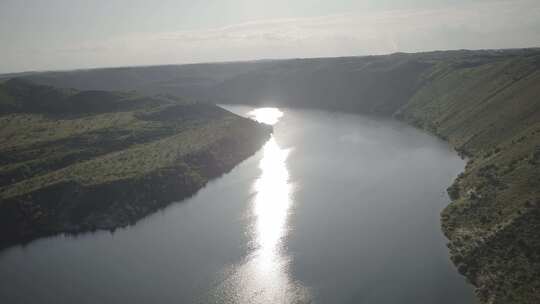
335,208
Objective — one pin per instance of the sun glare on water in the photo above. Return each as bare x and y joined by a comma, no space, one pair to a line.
269,116
263,277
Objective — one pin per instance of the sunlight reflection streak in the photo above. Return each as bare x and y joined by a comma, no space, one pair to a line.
264,276
272,201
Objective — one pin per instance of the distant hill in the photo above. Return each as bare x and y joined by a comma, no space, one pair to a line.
377,84
485,103
73,161
22,96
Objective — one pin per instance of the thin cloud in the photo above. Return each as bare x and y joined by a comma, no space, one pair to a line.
502,24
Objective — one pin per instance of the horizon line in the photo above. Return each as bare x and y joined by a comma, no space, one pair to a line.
20,73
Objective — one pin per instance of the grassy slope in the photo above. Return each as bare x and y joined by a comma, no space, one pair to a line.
67,170
491,113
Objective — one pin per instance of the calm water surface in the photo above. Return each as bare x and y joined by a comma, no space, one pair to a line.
335,208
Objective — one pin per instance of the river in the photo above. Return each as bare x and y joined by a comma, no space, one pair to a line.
335,208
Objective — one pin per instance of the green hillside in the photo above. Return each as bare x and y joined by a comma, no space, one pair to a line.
490,113
76,161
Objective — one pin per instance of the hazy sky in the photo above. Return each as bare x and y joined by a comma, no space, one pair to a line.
66,34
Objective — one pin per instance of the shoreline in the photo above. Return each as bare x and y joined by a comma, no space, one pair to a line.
130,204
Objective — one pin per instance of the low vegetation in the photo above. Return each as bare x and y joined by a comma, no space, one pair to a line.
491,114
67,170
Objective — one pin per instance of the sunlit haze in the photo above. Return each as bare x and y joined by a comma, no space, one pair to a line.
66,34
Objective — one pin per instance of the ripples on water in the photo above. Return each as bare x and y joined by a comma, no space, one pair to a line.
264,275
